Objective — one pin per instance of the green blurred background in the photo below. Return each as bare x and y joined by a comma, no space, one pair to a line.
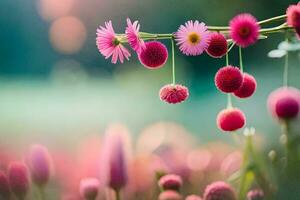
55,87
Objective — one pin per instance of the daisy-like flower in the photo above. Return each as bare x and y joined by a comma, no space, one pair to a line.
244,30
192,38
109,44
132,35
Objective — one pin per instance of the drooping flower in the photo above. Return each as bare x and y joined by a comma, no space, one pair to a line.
115,157
173,93
193,197
132,34
170,182
228,79
154,55
247,88
244,29
18,177
293,16
169,195
256,194
284,103
219,191
4,186
231,119
40,164
89,188
109,44
192,38
217,45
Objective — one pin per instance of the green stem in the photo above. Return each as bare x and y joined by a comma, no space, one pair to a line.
229,101
118,195
231,46
272,19
286,69
173,61
241,59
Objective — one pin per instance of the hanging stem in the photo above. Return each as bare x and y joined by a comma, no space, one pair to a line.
173,61
272,19
118,194
241,59
286,69
229,101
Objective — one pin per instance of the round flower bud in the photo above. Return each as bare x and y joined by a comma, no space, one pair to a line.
217,47
219,191
247,88
89,188
228,79
193,197
293,16
231,119
255,195
170,182
169,195
18,178
173,94
154,55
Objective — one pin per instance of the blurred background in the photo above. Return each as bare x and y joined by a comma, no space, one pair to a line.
56,88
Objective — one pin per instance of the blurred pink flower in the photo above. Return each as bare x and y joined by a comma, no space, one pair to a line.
169,195
192,38
4,186
110,45
89,188
170,182
18,177
132,34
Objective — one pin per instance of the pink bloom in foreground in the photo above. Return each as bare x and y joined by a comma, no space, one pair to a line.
228,79
217,45
256,194
132,34
169,195
154,55
4,186
109,44
231,119
219,191
89,188
247,88
173,93
293,16
40,164
244,30
193,197
18,177
192,38
170,182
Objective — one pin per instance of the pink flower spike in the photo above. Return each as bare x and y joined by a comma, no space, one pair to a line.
192,38
109,44
244,30
132,35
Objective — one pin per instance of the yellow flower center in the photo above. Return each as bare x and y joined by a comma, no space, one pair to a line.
194,38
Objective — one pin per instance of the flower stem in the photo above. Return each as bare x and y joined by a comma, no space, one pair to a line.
118,194
173,61
241,59
272,19
286,69
229,101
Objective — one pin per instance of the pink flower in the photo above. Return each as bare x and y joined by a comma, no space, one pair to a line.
173,93
18,177
89,188
219,191
4,186
170,182
109,44
192,38
231,119
132,34
193,197
40,164
169,195
293,16
244,30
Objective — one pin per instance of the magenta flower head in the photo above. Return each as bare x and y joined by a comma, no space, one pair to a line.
40,164
228,79
247,88
193,197
89,188
173,94
284,103
170,182
18,177
231,119
110,45
4,186
244,30
219,191
192,38
154,55
115,157
255,195
217,45
169,195
132,35
293,16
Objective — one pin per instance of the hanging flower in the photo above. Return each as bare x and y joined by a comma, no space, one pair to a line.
173,94
132,35
217,45
231,119
192,38
244,30
110,45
